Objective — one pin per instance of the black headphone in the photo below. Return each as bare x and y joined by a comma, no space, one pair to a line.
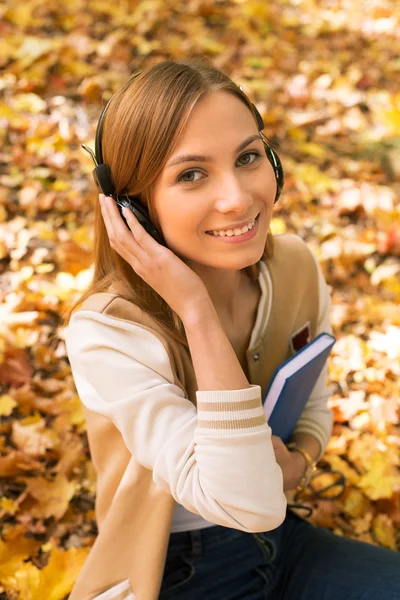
104,181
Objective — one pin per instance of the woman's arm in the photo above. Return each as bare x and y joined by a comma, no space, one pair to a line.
217,461
214,360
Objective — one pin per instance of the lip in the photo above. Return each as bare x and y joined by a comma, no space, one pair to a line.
239,226
239,238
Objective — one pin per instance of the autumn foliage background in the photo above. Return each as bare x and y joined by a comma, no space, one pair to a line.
325,75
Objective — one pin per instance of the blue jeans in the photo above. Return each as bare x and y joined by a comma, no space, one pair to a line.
296,561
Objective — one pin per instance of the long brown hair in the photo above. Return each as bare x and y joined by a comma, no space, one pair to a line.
141,127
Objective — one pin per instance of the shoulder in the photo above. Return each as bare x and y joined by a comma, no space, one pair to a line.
113,321
108,303
291,256
96,337
289,244
115,310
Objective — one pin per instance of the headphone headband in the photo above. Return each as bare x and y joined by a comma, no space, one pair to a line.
102,172
99,130
260,122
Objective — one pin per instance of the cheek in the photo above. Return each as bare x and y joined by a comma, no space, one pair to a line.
181,221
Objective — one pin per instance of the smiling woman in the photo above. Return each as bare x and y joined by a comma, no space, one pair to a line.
180,140
172,349
218,178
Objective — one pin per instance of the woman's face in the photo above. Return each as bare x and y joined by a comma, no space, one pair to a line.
217,178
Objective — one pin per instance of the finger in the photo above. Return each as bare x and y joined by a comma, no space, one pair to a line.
150,247
142,237
128,241
120,232
108,222
121,239
115,225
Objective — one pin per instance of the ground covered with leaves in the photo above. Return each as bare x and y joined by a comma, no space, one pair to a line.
323,74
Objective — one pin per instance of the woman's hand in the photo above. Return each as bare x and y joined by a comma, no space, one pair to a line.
160,268
293,465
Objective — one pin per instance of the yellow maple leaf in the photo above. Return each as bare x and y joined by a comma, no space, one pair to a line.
13,552
312,149
338,464
381,480
25,579
355,503
384,531
59,575
9,505
368,449
362,524
7,404
53,582
52,497
34,439
313,178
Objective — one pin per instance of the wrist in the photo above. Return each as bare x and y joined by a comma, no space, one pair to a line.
294,471
309,443
299,463
198,312
308,464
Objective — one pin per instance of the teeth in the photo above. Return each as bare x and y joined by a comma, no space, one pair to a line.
237,231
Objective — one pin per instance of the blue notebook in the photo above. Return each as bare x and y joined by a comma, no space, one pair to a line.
292,383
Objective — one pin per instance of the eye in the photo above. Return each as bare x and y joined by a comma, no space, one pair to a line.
248,158
189,176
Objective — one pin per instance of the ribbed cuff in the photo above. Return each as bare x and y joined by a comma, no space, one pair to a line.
230,411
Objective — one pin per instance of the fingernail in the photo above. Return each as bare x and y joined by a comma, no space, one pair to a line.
101,197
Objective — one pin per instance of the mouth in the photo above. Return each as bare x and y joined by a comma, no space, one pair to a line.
229,237
238,232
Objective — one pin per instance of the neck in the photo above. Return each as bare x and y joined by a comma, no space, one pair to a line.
225,288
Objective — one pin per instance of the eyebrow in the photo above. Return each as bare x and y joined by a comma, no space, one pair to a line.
199,158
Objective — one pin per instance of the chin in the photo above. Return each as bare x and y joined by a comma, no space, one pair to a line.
238,265
232,262
232,258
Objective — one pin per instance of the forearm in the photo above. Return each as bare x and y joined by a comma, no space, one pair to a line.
215,363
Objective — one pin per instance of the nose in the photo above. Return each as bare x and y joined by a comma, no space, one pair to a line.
233,196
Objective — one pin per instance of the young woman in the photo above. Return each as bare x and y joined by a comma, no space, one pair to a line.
173,346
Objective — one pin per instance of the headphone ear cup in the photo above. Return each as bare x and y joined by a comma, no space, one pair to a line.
141,213
277,167
103,179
